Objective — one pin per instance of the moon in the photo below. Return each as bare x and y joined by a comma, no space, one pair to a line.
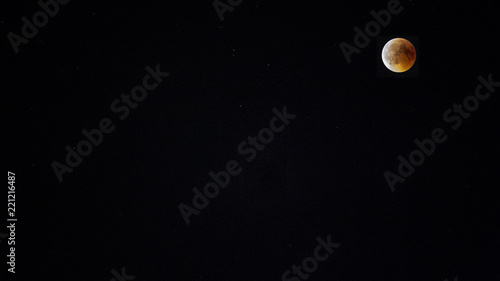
399,55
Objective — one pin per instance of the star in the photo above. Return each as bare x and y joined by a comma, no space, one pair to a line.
2,235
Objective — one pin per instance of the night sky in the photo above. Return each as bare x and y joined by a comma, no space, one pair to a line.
216,84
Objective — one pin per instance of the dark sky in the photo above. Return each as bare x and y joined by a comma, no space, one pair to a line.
322,175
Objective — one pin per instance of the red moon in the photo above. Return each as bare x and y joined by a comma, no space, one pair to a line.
399,55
